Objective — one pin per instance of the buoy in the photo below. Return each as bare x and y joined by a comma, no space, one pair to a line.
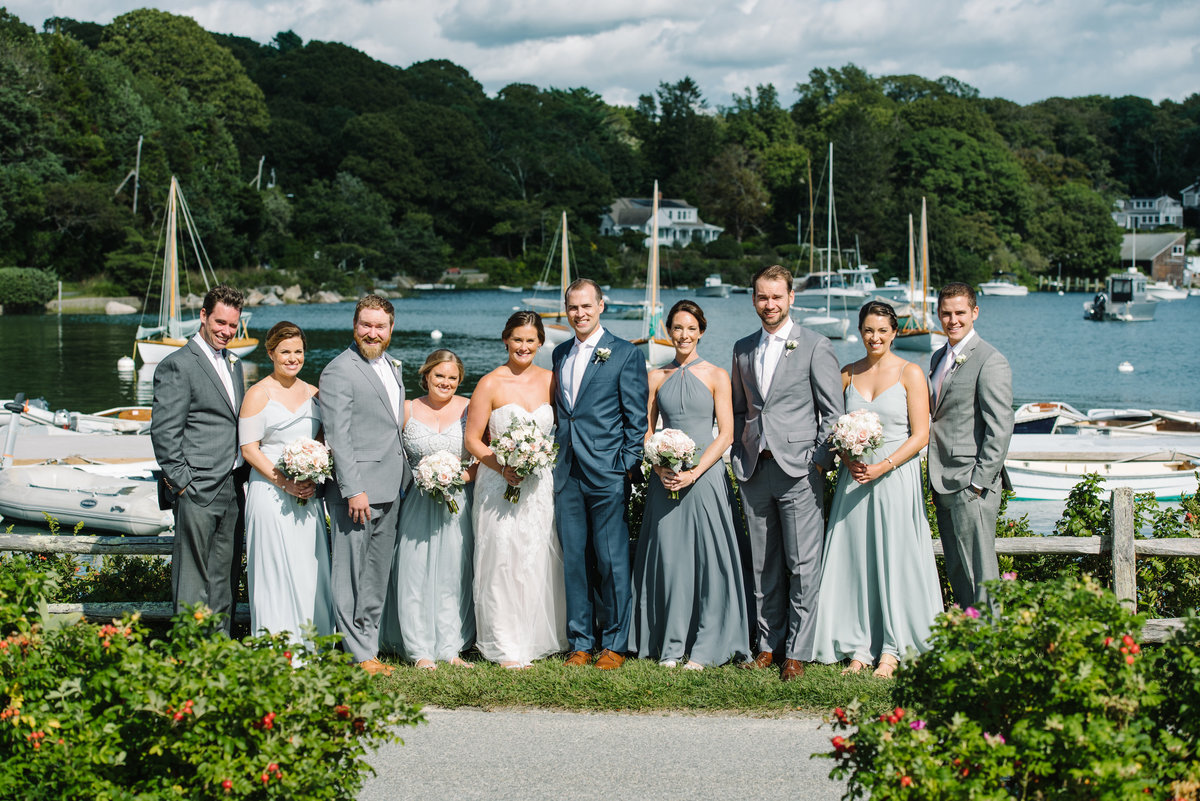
852,338
125,365
1125,367
435,335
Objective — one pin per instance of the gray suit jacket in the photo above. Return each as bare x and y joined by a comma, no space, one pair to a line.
796,417
193,426
972,420
365,436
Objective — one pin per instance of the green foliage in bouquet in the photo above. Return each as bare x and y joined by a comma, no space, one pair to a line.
104,712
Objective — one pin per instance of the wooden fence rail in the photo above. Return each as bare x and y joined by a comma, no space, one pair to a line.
1119,543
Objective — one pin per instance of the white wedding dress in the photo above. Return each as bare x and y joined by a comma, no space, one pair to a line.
520,598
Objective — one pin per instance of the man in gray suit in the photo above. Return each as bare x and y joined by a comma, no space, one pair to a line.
198,390
787,394
362,410
972,424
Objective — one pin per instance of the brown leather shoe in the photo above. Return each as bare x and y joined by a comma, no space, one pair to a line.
609,660
375,667
578,659
792,669
763,660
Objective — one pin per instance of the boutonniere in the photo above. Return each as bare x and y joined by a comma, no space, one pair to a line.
602,355
233,359
959,359
395,363
789,346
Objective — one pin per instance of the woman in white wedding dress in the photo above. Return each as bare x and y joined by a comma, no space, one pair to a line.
520,599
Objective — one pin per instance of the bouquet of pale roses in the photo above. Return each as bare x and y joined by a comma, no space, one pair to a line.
438,474
670,448
857,432
523,447
305,459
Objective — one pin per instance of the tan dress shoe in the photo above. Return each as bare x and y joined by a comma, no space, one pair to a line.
609,660
375,667
578,659
763,660
792,669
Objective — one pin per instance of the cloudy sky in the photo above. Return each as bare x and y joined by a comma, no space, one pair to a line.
1023,50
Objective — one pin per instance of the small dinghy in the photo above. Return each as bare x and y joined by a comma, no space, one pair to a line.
120,498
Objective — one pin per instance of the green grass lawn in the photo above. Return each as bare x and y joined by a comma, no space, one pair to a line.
639,686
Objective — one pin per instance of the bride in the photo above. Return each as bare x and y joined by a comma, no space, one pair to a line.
520,599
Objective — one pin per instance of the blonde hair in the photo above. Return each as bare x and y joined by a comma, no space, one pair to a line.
284,330
440,356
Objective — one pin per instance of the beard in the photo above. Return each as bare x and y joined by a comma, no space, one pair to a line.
371,350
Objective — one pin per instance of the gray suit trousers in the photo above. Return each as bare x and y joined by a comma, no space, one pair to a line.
967,526
786,524
360,568
207,550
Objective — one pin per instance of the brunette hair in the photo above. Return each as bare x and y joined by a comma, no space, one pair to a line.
691,308
375,302
222,293
776,272
880,309
284,330
440,356
521,318
955,289
580,283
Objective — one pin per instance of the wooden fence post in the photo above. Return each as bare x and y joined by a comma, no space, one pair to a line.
1124,556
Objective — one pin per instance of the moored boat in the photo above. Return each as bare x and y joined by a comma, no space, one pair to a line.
118,498
713,288
1124,299
1164,290
1003,284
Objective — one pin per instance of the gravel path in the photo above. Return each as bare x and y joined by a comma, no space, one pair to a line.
467,754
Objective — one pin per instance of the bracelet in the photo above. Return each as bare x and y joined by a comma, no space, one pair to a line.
888,459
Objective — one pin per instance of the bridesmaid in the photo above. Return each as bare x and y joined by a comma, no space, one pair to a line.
287,545
689,598
878,562
428,615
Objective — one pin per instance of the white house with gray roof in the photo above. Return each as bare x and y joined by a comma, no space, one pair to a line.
1148,212
679,222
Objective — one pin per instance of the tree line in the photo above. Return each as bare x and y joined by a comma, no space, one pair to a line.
314,158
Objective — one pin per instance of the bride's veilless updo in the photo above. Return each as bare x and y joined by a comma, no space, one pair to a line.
521,318
879,309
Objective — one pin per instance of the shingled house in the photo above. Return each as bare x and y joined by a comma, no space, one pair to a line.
679,222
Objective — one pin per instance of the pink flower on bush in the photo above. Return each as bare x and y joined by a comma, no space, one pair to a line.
971,612
917,725
1009,576
993,739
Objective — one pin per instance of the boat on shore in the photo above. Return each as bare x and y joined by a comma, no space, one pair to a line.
1123,300
118,498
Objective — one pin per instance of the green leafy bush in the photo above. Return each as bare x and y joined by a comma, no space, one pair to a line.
103,712
25,289
1052,698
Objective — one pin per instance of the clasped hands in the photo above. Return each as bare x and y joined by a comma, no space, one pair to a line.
301,489
674,482
862,472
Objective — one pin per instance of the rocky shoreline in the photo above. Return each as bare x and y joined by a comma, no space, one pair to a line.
270,295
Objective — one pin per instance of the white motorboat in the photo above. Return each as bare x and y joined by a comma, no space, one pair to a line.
118,498
713,288
1003,284
513,289
1164,290
1124,300
1048,466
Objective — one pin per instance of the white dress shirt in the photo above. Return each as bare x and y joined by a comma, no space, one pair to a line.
947,363
383,368
577,361
767,355
220,362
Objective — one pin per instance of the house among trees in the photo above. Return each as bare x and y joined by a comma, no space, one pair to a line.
1148,212
1160,256
679,222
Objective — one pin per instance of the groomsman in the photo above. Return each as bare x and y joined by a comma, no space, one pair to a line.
972,424
362,409
198,390
787,394
600,401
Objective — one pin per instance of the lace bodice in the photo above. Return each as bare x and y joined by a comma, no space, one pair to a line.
420,440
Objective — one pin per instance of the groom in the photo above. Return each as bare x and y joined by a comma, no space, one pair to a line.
787,394
362,404
972,423
600,401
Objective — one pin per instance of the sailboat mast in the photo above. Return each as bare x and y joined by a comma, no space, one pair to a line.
566,265
170,289
912,263
829,240
651,314
811,240
924,265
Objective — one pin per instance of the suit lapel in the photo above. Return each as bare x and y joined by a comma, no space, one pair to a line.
968,349
594,364
559,371
779,366
206,365
373,379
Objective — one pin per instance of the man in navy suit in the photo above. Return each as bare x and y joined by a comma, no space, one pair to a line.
600,400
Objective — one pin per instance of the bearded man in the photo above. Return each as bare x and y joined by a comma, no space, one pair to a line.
362,408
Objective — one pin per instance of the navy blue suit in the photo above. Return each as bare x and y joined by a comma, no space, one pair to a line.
599,443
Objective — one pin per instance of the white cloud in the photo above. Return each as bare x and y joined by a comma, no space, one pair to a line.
1024,50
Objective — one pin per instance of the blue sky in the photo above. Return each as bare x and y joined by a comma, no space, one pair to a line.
1023,50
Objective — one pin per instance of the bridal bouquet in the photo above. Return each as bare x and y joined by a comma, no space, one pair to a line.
525,449
306,459
857,432
438,474
670,448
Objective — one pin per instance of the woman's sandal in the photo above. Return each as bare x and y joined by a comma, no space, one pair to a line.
458,661
693,666
426,664
887,666
854,667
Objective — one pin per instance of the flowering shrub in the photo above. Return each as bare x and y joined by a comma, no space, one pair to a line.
100,711
1052,698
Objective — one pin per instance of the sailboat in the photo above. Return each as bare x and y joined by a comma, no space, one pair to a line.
915,333
832,327
155,343
556,332
653,342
